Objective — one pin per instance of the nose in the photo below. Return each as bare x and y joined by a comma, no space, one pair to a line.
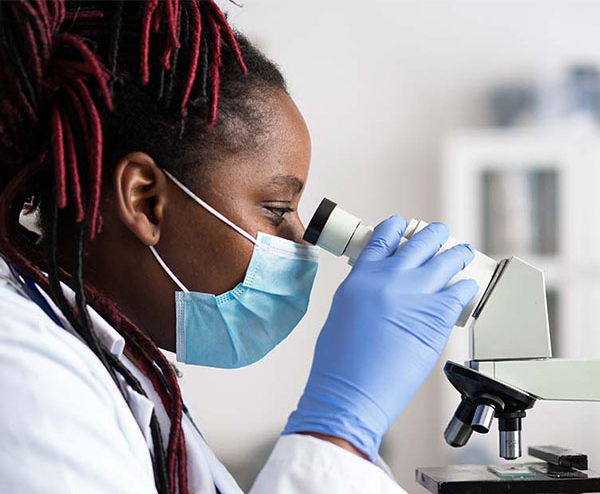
302,230
295,230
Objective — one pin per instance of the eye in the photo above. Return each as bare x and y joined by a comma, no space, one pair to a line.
277,214
281,211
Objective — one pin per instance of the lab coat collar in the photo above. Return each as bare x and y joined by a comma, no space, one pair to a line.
107,335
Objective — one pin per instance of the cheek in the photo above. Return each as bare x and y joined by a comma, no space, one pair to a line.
207,255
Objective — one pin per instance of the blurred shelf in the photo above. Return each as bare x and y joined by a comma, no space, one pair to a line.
532,193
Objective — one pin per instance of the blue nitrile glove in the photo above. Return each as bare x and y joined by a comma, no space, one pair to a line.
389,322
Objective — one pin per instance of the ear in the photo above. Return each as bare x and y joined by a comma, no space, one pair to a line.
141,194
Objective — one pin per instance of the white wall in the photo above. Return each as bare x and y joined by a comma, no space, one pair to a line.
380,83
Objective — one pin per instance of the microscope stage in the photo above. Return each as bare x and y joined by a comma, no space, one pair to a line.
521,478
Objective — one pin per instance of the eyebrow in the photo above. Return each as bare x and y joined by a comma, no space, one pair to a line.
288,181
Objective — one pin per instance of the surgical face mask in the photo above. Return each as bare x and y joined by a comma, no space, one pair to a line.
241,326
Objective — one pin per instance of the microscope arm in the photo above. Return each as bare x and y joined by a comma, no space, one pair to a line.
547,379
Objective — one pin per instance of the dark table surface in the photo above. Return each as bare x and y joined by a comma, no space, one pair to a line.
476,479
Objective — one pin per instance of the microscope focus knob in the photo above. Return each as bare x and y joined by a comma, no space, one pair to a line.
483,418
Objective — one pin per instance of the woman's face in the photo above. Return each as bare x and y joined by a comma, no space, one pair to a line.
258,191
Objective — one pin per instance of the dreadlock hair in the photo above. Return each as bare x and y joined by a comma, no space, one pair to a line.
81,85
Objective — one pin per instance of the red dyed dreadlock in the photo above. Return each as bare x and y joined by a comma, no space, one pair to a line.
58,91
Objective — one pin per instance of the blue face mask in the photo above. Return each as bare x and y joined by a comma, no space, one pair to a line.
241,326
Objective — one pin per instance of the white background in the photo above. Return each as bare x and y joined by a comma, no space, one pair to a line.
380,84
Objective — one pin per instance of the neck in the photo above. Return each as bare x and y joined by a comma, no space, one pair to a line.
131,282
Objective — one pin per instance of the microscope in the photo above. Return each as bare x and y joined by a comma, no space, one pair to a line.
510,367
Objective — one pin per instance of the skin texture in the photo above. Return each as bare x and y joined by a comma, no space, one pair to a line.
258,190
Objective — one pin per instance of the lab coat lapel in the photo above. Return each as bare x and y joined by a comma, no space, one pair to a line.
141,407
108,335
222,479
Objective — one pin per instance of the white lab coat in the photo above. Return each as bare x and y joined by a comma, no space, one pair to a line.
65,427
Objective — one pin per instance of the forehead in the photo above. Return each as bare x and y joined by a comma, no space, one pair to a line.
280,161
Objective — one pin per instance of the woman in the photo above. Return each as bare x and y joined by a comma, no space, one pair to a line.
151,159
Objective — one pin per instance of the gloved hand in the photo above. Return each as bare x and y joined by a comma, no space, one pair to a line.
389,322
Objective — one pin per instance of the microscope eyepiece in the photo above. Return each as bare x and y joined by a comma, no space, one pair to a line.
343,234
318,221
337,231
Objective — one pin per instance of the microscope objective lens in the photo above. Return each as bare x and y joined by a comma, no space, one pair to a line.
510,445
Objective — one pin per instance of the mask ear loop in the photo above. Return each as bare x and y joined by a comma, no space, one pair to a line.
210,209
163,264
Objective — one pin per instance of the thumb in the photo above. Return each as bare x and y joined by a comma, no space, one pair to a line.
458,296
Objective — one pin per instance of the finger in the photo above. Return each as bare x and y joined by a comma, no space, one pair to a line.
385,239
422,246
443,267
458,297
